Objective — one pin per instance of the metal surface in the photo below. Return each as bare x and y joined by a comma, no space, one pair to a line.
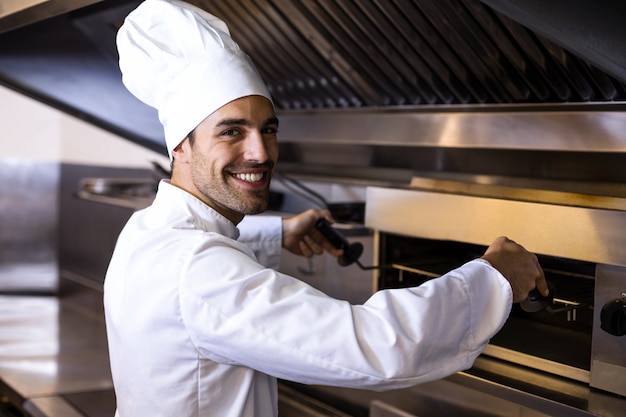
49,347
382,409
325,54
28,226
50,407
579,241
461,395
135,193
544,385
375,53
584,145
324,273
581,25
593,235
292,403
18,13
608,367
533,128
611,199
534,362
88,229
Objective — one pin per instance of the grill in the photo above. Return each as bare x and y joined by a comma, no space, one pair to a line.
514,105
581,255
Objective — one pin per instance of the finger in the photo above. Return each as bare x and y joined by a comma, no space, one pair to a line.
313,245
334,251
324,243
317,236
542,284
304,249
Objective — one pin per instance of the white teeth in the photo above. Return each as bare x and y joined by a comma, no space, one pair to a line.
250,177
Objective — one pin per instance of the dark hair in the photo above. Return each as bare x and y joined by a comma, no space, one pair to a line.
192,137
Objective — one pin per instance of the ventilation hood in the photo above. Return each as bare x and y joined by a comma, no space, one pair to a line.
505,74
18,13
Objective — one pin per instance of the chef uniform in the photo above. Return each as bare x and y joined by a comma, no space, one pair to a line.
199,321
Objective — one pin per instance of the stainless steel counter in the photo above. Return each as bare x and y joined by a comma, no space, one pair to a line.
53,358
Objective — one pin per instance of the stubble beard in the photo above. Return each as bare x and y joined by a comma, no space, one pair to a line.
223,194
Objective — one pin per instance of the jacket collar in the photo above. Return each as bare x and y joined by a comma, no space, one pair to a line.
203,216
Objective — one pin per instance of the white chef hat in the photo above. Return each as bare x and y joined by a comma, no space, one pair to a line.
182,61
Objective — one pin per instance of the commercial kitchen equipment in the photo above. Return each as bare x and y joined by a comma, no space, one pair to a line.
510,113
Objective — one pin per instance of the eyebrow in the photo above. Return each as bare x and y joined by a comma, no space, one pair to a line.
244,122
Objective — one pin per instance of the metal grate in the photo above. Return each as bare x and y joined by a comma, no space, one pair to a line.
331,53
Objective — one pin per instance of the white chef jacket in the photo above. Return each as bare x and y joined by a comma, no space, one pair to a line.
198,327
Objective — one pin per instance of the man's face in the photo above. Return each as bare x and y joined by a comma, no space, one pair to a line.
232,157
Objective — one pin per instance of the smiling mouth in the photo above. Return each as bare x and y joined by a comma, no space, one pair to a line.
248,177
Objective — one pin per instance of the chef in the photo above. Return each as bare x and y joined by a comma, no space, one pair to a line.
199,321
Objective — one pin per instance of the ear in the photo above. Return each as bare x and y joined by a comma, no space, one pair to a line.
182,152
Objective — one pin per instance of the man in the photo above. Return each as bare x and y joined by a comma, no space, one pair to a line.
198,322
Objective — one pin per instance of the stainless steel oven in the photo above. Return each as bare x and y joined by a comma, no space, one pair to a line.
570,354
515,109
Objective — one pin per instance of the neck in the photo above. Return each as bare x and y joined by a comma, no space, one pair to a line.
185,183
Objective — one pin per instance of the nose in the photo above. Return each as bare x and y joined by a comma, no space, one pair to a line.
256,149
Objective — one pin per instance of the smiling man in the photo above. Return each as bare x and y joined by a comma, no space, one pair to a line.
199,322
228,160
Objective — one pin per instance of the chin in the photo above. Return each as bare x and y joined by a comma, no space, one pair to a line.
254,208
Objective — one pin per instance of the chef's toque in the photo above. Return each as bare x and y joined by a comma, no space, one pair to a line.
182,61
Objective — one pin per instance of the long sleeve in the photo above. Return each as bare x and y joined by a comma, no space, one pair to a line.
263,235
278,325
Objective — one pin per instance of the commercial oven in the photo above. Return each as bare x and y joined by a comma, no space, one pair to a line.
572,352
514,109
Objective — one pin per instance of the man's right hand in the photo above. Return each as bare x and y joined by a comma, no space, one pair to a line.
520,267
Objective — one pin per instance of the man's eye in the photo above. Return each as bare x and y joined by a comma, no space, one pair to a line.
269,130
230,132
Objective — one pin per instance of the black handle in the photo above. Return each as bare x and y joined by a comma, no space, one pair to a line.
335,239
351,252
536,302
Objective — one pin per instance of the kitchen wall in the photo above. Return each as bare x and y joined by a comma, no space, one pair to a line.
51,240
42,153
35,131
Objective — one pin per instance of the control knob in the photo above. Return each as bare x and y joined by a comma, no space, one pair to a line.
613,317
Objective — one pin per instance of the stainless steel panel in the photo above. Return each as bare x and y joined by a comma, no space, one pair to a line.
373,53
49,347
332,55
382,409
559,224
462,395
593,235
534,362
18,13
292,403
324,273
493,128
50,407
387,147
543,385
580,25
28,225
88,229
134,193
608,365
577,194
